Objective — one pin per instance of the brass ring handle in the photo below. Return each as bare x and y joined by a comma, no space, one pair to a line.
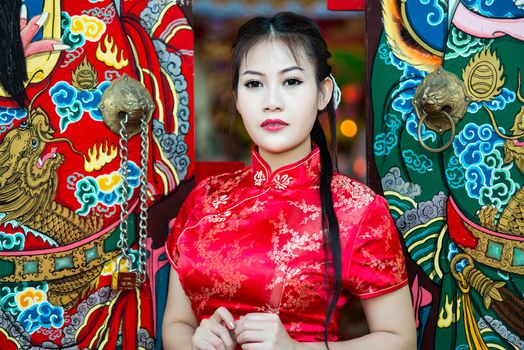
448,143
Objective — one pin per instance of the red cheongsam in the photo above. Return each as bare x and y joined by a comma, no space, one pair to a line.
251,241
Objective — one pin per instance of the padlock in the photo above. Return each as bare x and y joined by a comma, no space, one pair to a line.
124,280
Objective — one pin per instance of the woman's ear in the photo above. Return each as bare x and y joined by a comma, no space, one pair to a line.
326,91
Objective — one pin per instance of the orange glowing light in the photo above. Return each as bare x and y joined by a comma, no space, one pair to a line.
359,167
348,128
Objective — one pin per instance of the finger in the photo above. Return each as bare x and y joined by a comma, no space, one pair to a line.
249,324
261,316
223,315
201,344
23,16
254,346
27,34
251,336
205,335
46,45
223,333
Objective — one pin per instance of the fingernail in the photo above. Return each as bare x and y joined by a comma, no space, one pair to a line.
231,325
61,47
23,12
42,19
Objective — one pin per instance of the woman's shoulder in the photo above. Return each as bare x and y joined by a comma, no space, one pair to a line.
223,183
345,188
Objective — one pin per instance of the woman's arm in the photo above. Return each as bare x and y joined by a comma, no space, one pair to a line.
180,328
390,320
179,322
391,325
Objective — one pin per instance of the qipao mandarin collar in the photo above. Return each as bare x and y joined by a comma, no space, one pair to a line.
304,171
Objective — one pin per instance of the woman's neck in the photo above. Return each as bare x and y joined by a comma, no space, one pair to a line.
278,160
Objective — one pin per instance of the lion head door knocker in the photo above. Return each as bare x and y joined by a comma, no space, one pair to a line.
127,108
440,102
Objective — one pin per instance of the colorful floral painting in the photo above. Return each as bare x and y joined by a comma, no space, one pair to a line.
62,177
459,209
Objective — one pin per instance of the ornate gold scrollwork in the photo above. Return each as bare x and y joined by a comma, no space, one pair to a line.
440,102
471,276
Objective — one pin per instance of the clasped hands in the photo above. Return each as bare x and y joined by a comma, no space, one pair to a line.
254,331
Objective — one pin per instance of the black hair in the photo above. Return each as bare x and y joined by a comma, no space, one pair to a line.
301,34
13,71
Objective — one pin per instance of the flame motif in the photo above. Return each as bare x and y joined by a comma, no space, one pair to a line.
483,76
109,55
444,321
98,157
84,77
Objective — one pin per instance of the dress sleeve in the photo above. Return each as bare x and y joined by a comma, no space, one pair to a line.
177,225
377,263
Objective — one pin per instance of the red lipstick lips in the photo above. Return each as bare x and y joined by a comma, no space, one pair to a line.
273,124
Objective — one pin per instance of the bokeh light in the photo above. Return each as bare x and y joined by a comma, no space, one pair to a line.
348,128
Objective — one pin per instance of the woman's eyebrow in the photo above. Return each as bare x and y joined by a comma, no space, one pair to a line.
289,69
285,70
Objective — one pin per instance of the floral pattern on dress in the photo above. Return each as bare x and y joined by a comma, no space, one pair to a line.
245,244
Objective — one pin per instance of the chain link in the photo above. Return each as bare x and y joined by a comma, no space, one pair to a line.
124,204
142,249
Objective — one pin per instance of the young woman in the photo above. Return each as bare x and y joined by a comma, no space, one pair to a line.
264,258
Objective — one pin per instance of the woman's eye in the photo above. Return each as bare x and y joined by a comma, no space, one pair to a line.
253,84
292,82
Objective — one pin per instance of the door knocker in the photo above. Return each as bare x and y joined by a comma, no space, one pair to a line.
440,102
127,108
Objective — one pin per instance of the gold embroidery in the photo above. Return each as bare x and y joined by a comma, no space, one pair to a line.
259,178
282,182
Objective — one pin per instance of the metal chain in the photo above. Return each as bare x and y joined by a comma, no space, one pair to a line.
124,204
142,249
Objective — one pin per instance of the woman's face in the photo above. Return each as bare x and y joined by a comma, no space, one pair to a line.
278,99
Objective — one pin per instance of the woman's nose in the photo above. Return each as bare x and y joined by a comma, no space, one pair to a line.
273,99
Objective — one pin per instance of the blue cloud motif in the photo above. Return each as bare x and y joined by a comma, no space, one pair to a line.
419,163
69,114
412,125
42,315
455,173
108,199
133,174
68,38
91,99
7,115
87,194
72,103
389,58
461,44
492,8
8,295
384,143
499,102
393,122
403,95
477,177
474,107
62,94
500,189
11,241
474,142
